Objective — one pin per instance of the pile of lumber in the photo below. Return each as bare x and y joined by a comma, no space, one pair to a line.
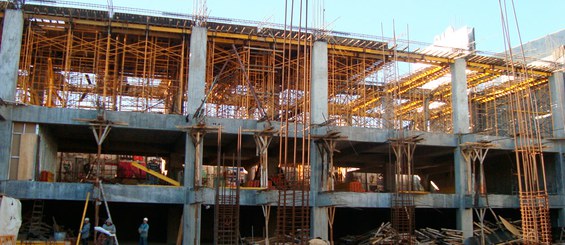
442,236
385,234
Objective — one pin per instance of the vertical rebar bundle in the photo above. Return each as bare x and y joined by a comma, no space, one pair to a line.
293,211
402,203
526,130
226,223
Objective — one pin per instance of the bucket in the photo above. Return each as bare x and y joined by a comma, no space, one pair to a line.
60,236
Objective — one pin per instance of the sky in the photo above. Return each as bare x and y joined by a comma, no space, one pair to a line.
414,20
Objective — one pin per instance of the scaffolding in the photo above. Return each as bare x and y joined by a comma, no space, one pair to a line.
82,59
73,65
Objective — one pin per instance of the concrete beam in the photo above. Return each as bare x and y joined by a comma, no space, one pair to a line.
144,194
77,192
383,200
205,196
45,115
150,121
383,135
507,143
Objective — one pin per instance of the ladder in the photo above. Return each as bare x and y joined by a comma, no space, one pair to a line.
36,228
107,209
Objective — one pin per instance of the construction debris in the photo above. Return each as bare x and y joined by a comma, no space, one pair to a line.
497,233
385,234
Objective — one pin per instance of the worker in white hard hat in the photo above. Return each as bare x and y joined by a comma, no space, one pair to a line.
143,231
110,227
85,232
318,241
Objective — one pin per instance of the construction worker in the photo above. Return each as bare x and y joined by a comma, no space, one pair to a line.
143,232
110,227
318,241
85,232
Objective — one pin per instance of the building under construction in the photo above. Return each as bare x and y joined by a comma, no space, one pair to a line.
335,133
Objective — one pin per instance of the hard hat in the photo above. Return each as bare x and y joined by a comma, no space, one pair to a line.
86,219
145,219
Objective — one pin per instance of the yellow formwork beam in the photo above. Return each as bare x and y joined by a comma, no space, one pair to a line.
531,82
410,80
156,174
445,90
408,83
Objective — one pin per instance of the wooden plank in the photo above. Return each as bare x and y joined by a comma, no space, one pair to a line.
28,149
510,227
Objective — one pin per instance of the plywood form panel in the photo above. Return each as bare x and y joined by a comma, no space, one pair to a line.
28,148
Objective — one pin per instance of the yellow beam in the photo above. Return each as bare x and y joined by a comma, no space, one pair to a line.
532,82
418,79
133,26
220,36
156,174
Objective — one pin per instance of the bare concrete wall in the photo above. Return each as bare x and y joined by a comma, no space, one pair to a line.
47,151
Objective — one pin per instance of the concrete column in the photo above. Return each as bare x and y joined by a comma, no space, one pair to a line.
5,142
12,33
388,112
319,86
319,114
464,215
191,209
427,114
197,69
459,98
557,90
196,93
461,124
